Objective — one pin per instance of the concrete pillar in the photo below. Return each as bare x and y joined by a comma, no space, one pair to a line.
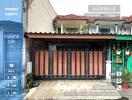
131,29
108,71
108,63
116,28
109,51
61,28
97,28
81,29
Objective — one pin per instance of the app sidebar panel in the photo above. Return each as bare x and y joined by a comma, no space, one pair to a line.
11,51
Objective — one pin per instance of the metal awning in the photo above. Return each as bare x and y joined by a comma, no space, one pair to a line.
74,36
124,37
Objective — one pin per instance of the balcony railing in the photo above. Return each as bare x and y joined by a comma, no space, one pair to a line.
83,32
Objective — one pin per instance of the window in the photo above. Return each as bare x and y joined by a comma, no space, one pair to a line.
72,30
59,30
104,30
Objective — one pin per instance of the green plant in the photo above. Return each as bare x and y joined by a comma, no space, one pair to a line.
127,76
29,80
85,28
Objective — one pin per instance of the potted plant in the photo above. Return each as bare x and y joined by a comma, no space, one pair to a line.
29,80
126,77
118,60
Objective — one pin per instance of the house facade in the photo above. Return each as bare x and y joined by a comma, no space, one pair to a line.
81,47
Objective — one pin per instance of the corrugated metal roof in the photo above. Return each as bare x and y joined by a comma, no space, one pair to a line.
69,36
70,17
90,18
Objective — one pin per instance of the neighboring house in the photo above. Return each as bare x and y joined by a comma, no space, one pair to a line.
71,24
82,24
39,16
80,47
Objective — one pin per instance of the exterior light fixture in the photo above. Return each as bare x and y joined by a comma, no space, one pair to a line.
118,52
127,52
119,74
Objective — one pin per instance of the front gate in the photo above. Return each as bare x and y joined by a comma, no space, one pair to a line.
69,64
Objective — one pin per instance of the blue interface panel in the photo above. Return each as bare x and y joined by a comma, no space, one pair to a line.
11,43
11,69
11,10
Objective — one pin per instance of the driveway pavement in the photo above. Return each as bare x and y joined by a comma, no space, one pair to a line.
73,89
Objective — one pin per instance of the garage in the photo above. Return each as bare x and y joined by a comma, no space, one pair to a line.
62,56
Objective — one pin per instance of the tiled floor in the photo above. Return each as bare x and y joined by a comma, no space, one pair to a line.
126,93
74,89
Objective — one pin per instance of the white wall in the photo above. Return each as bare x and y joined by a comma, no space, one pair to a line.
40,16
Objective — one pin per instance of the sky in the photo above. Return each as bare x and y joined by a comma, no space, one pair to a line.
79,7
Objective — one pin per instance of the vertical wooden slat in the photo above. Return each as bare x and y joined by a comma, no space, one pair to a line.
90,62
54,62
36,68
100,62
87,63
64,63
78,63
41,63
82,63
73,63
50,62
46,62
95,63
59,62
69,63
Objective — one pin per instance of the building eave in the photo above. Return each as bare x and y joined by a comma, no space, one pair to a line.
73,36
